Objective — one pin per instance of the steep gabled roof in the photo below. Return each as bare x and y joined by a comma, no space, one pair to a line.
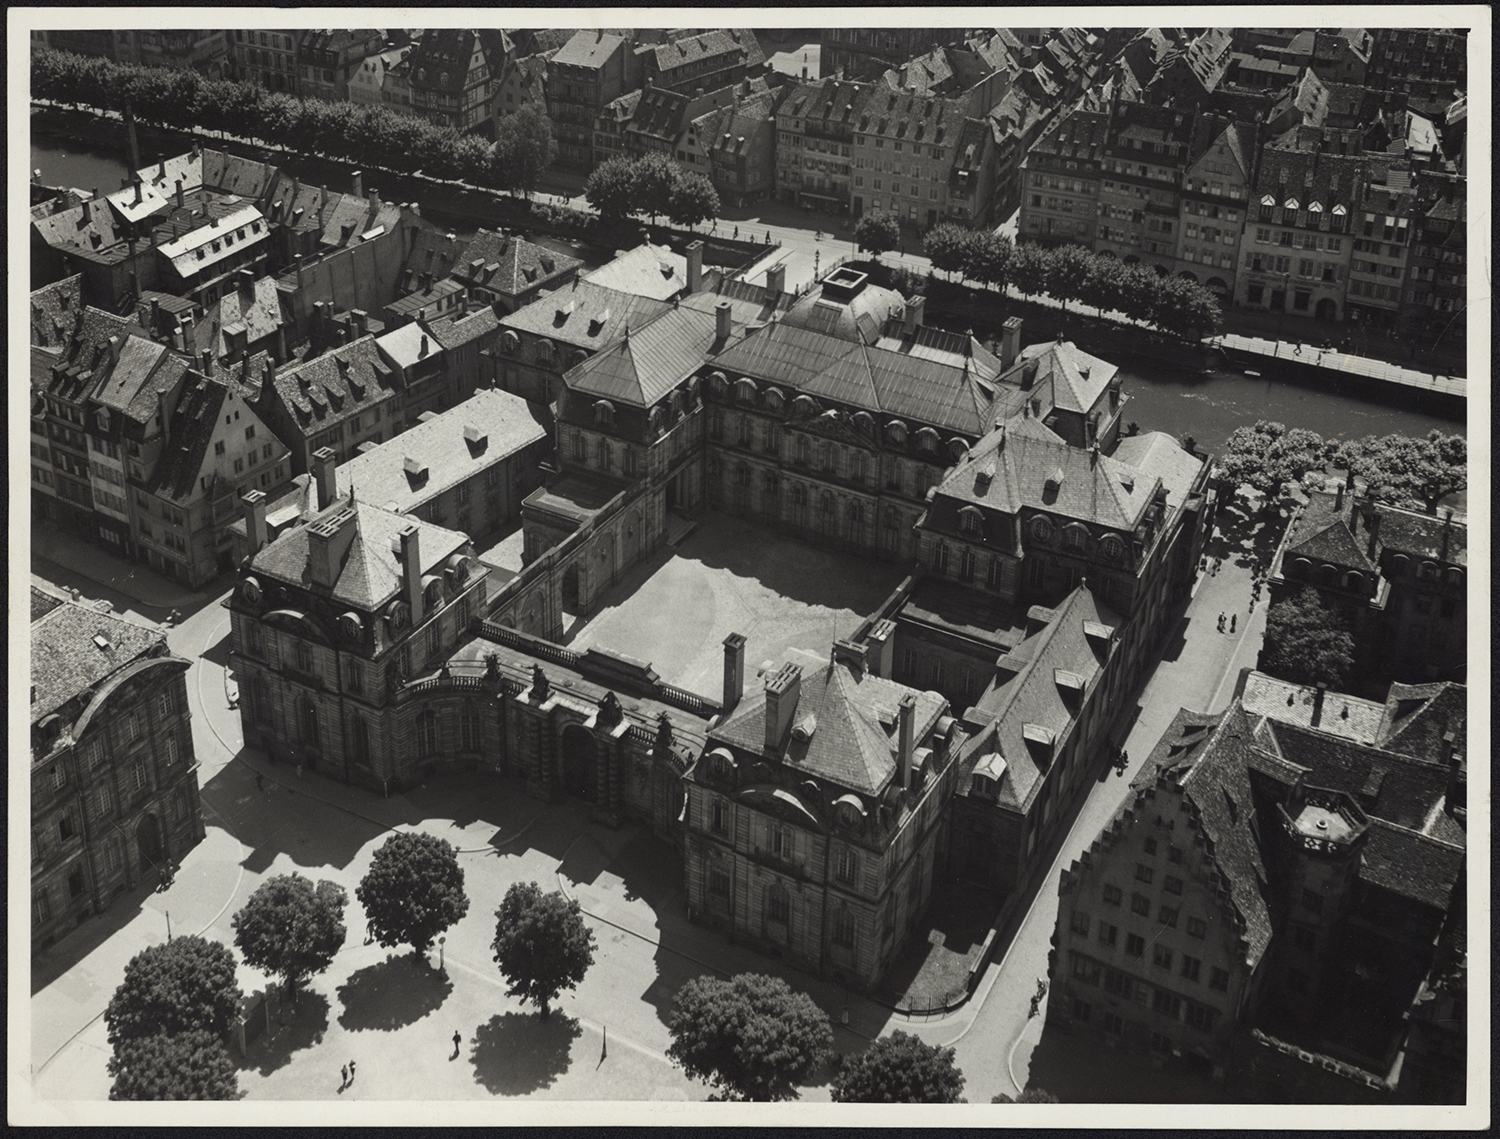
1417,716
646,271
253,313
583,314
56,310
588,49
326,390
192,428
73,647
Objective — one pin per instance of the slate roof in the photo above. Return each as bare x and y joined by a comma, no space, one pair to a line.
85,361
858,319
1320,532
647,271
56,310
1411,865
1015,468
648,362
928,342
91,230
930,120
829,99
509,265
371,572
233,174
1157,455
211,242
333,391
1342,714
144,370
446,52
1060,371
192,428
1033,697
588,49
691,49
852,746
452,332
255,312
1423,536
66,660
1416,716
583,314
42,603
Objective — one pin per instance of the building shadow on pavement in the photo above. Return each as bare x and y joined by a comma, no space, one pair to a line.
392,994
933,969
301,1028
515,1053
49,964
1077,1070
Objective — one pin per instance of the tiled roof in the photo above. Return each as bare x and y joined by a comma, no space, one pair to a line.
1075,378
648,362
254,313
647,271
370,574
583,314
509,265
851,745
85,357
1321,532
1157,455
92,230
144,370
208,244
1423,536
1411,865
858,319
1417,716
440,60
507,424
233,174
338,39
1034,698
42,603
587,49
74,646
452,332
56,310
1341,714
834,99
691,49
192,429
323,391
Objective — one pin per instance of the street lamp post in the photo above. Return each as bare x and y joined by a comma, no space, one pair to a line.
441,942
169,924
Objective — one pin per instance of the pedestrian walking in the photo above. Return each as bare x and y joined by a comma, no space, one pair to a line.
369,931
351,1071
344,1071
1221,622
457,1042
736,233
1233,617
299,771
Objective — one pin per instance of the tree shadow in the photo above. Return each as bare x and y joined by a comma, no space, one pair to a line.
302,1026
516,1053
392,994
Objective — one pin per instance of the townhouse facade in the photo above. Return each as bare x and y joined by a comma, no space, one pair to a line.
1382,247
265,57
1061,177
328,57
814,141
906,145
1139,195
589,72
1214,203
452,73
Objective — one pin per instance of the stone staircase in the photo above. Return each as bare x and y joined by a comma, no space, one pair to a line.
679,526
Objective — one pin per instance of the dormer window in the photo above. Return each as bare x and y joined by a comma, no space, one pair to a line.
970,521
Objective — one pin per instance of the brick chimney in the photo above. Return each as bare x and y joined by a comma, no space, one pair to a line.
253,503
694,266
1317,709
1373,522
361,320
1010,341
114,349
179,194
912,318
325,463
782,693
359,183
411,568
734,670
775,283
906,724
724,324
328,541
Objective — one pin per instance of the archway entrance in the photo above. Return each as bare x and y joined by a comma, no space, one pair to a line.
1328,309
570,587
148,842
580,759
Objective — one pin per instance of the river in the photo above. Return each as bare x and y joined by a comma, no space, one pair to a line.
1207,406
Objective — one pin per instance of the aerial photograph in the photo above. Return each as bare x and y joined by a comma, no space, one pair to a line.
836,565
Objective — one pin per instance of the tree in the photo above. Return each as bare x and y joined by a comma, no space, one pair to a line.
655,179
611,189
191,1065
1267,455
542,944
750,1037
1069,267
948,247
1185,308
1139,289
291,929
1028,269
693,200
989,258
527,137
1411,473
899,1068
413,891
1306,643
1101,287
878,231
178,986
1030,1095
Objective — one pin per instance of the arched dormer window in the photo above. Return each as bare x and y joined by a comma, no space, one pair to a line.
546,351
604,413
1041,529
927,440
896,432
1112,548
744,391
970,520
1076,537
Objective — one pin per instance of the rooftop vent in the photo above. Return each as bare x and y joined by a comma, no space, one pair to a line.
101,642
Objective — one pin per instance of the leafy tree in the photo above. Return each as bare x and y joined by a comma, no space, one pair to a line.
1069,267
530,148
191,1065
1306,643
692,200
414,890
1185,309
1267,455
1411,473
1028,269
1102,285
291,929
542,944
1030,1095
900,1068
878,231
948,247
1139,289
180,985
750,1037
989,259
656,178
611,189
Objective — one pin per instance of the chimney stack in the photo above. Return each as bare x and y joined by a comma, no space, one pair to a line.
1454,798
253,503
782,693
374,201
775,283
724,324
694,265
206,361
325,463
1317,711
161,414
361,320
1373,522
359,183
155,317
114,349
1010,342
1338,500
411,568
734,670
179,194
913,316
905,736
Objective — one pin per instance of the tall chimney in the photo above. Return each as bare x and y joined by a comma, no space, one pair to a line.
905,737
325,475
782,693
359,183
912,319
1317,711
206,361
724,324
411,568
734,670
161,414
253,503
114,349
1374,524
1338,500
374,201
775,283
179,194
1454,797
694,265
1010,342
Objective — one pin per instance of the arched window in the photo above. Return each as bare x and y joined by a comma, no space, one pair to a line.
970,521
927,439
1075,537
469,726
1041,529
604,413
426,733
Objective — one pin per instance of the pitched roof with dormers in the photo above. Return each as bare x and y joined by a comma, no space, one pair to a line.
1157,455
74,647
647,364
326,390
440,60
56,311
144,372
1338,714
1071,378
253,314
855,743
583,315
192,427
1416,717
1321,532
587,49
84,361
91,230
687,50
647,271
370,574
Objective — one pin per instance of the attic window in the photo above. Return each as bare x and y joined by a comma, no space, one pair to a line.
1066,679
805,728
101,642
1098,631
1038,734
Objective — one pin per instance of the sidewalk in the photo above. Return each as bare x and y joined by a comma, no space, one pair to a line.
62,559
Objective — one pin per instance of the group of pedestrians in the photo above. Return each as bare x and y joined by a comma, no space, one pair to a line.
1233,619
348,1073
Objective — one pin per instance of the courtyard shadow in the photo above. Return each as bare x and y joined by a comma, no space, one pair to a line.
392,994
303,1026
1077,1070
515,1054
47,965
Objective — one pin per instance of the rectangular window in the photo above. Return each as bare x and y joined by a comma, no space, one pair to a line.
1140,904
1197,927
1113,895
1085,970
719,817
1135,945
138,774
1108,934
780,905
1114,1024
718,882
1218,979
1080,923
847,866
169,750
1168,917
1191,967
1174,854
1161,957
1201,1017
1144,873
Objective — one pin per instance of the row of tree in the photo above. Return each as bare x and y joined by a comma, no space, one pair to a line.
1071,273
1411,473
368,135
651,184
